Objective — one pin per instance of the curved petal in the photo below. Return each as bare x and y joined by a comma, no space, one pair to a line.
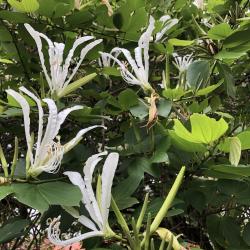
84,51
51,127
63,115
40,120
72,143
87,222
77,180
26,118
77,42
54,235
108,173
37,37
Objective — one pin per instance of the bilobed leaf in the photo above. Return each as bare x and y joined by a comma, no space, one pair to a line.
203,129
185,145
24,5
220,31
235,151
5,191
41,196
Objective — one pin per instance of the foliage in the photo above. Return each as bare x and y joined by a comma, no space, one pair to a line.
166,82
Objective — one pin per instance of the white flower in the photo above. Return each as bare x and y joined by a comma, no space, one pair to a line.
167,24
199,4
59,79
182,62
97,207
139,65
48,152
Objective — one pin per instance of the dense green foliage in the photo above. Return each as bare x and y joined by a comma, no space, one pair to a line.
196,117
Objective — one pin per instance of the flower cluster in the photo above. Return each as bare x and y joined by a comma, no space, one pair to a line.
45,154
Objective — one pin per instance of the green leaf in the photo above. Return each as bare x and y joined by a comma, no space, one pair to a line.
140,111
185,145
225,54
198,73
244,138
12,229
235,151
174,94
238,38
178,42
24,5
203,129
229,82
14,17
164,107
240,171
127,99
220,31
207,90
5,191
159,157
41,196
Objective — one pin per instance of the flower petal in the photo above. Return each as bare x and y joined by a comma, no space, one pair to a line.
87,222
40,112
37,37
72,143
26,118
54,235
77,42
63,115
84,51
87,200
108,173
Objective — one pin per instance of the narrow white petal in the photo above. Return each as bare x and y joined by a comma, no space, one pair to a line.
72,143
54,235
87,222
88,200
63,115
40,120
84,51
26,118
52,122
77,42
168,23
88,173
108,173
36,36
76,179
